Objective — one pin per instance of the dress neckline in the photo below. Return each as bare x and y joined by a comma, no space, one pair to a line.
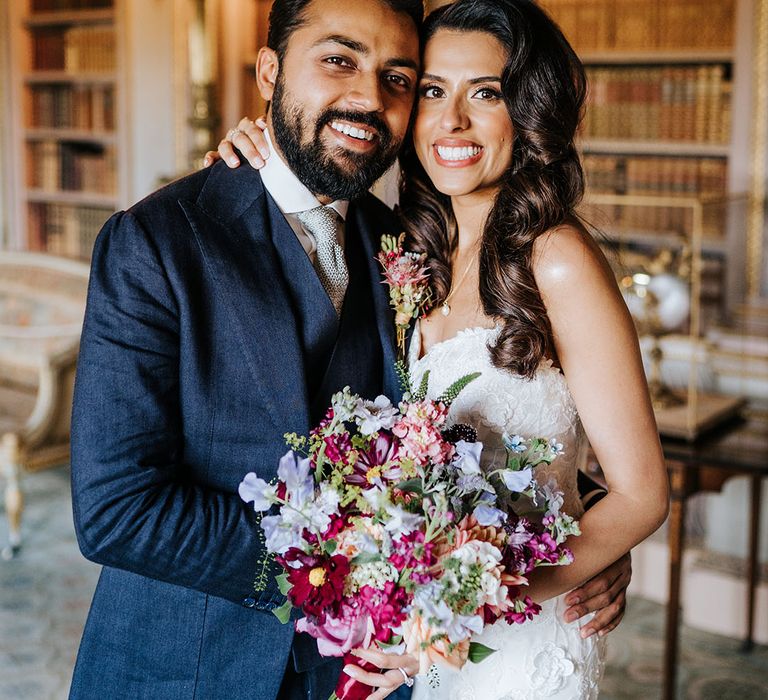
415,356
417,342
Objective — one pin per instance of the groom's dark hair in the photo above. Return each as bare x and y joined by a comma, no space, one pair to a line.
286,16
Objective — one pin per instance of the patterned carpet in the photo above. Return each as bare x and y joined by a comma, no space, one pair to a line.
45,593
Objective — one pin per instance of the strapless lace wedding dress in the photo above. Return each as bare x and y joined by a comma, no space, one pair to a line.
545,657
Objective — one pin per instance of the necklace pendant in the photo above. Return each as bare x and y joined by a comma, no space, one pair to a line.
445,309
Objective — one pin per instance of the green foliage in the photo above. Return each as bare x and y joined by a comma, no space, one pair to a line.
412,486
283,613
421,392
401,369
450,394
479,652
283,584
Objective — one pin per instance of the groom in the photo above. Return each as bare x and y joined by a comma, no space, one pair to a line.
223,312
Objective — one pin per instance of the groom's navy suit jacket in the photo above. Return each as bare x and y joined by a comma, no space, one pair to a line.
206,338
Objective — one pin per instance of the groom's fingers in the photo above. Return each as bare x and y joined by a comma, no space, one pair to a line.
595,593
608,608
607,619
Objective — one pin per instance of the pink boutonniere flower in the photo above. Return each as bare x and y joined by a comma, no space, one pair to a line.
408,280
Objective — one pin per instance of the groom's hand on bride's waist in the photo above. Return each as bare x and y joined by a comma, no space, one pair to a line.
605,595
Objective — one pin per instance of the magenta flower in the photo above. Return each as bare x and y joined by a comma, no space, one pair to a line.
377,464
524,610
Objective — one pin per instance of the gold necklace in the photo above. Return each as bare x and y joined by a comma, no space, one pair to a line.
445,307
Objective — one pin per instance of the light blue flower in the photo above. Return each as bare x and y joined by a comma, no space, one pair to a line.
252,488
517,482
488,516
514,443
556,447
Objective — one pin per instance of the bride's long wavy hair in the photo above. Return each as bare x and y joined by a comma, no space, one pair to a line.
544,87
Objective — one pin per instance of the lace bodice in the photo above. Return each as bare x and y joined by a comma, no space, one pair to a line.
546,657
499,401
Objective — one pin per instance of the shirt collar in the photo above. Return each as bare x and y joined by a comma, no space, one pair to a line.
289,193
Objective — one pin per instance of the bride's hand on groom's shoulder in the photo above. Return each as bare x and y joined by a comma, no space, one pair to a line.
605,595
395,668
248,138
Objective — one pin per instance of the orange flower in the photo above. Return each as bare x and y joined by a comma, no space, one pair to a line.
417,636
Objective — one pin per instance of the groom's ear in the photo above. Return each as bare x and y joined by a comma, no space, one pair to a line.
267,67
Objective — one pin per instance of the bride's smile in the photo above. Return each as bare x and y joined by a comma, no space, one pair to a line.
463,132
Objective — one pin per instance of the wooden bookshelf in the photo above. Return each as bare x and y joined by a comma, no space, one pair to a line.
665,115
69,141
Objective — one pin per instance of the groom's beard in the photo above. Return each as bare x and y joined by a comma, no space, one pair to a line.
335,173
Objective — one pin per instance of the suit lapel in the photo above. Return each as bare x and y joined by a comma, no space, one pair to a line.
385,318
246,271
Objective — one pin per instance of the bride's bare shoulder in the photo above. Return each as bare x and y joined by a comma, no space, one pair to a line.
568,254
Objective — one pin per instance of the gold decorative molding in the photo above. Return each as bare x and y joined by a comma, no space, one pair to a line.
757,215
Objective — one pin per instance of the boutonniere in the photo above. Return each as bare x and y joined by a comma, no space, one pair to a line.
408,280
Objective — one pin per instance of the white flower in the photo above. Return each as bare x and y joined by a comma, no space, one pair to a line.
281,536
320,510
488,557
373,416
344,404
400,521
351,542
252,488
517,481
374,574
550,668
431,606
467,459
551,496
299,483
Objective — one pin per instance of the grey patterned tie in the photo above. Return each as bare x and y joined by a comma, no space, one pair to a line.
323,224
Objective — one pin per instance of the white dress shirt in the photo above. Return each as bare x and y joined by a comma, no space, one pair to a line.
292,197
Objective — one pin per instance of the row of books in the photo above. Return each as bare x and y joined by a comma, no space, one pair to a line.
690,103
87,107
642,25
703,178
87,49
63,229
78,167
60,5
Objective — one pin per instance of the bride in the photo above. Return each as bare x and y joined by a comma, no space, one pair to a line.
523,294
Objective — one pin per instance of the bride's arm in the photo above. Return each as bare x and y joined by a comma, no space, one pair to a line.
597,347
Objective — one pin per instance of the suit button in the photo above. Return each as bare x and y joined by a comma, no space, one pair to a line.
249,602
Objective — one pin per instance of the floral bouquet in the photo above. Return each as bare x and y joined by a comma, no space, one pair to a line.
390,533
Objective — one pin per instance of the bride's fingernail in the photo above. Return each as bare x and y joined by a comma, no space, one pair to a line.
350,670
234,161
571,617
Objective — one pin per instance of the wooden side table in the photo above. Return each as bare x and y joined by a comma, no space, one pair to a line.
739,448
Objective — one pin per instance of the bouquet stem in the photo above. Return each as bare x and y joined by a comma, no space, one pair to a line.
347,687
